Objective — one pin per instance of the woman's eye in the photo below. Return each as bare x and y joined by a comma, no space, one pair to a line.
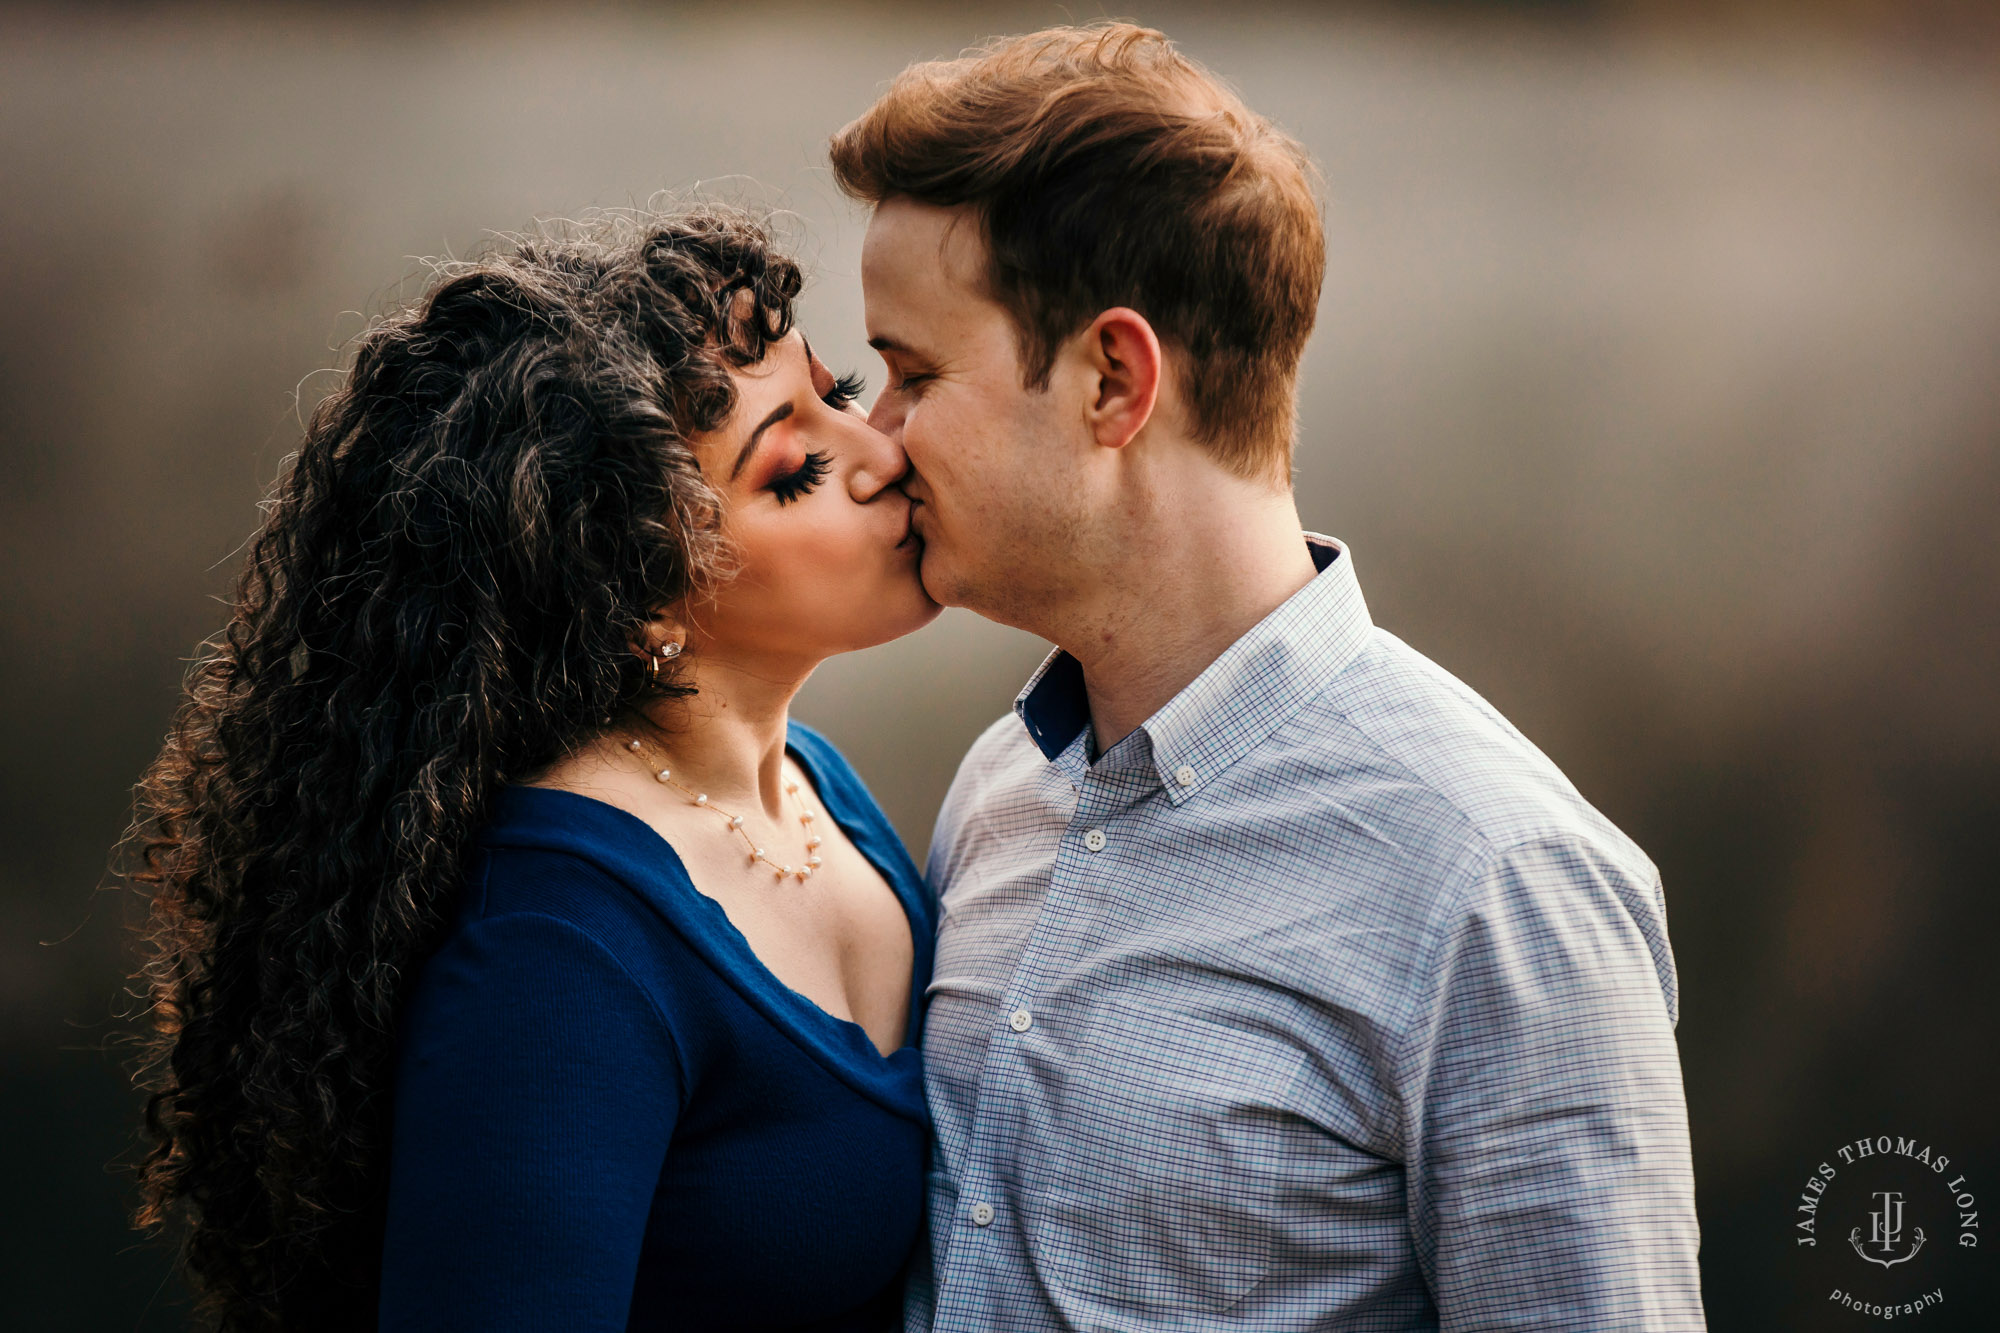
846,390
800,483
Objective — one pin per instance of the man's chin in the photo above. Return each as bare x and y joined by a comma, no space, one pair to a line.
935,575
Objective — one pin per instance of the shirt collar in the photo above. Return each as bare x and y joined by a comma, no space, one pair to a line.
1243,696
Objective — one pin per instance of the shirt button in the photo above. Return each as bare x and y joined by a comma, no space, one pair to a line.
982,1214
1094,840
1184,775
1020,1020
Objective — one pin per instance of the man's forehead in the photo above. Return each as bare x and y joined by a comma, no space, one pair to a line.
913,248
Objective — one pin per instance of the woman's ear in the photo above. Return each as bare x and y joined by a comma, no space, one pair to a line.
1125,355
661,639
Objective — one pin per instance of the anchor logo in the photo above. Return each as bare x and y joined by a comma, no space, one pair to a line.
1885,1232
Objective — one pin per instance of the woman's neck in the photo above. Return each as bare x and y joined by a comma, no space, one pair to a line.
728,738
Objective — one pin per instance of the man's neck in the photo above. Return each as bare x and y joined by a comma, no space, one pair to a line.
1188,589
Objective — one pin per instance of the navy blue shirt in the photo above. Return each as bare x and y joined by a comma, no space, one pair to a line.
611,1115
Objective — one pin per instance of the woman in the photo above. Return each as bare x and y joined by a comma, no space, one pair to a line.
517,964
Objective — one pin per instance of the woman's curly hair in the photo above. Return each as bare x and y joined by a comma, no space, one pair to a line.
443,597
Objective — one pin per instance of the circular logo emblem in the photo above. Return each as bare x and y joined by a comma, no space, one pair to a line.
1885,1223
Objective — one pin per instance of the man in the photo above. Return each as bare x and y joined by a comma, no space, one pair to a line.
1282,984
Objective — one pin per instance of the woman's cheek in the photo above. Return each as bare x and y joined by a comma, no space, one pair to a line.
811,558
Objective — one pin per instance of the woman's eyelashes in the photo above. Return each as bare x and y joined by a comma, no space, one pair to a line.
846,390
810,473
800,482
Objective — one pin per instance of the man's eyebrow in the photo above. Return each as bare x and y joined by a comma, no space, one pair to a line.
778,413
883,343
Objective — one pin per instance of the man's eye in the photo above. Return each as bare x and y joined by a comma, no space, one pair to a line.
910,383
810,474
845,390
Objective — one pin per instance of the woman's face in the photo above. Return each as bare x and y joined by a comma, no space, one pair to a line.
826,561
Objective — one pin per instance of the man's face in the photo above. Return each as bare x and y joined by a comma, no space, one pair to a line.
995,466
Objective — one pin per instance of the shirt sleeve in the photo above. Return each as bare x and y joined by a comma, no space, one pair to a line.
536,1092
1550,1181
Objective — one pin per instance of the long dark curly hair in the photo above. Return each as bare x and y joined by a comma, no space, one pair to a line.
443,596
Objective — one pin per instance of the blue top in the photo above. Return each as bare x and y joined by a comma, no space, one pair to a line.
611,1115
1320,1001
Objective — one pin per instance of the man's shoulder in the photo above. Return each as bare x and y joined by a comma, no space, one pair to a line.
1477,824
1004,765
1000,778
1414,749
1004,746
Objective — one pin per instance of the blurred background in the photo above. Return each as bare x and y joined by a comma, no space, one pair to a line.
1656,389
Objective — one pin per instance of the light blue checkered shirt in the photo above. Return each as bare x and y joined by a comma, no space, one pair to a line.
1321,1001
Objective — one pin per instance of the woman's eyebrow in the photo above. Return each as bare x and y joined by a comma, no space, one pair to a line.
778,413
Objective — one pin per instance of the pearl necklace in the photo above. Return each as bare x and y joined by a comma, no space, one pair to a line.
801,873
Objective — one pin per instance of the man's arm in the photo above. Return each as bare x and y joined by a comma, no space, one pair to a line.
1550,1180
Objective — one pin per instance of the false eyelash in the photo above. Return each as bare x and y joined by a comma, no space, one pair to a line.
846,389
801,483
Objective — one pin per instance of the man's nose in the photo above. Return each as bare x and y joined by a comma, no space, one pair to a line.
887,415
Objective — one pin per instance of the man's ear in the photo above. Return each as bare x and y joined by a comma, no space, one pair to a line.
1124,353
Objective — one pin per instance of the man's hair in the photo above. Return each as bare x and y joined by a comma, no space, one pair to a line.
1106,169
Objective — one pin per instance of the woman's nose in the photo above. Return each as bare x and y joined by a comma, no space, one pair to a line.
879,464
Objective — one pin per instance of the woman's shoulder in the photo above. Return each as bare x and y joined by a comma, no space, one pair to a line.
831,772
549,853
814,746
849,801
